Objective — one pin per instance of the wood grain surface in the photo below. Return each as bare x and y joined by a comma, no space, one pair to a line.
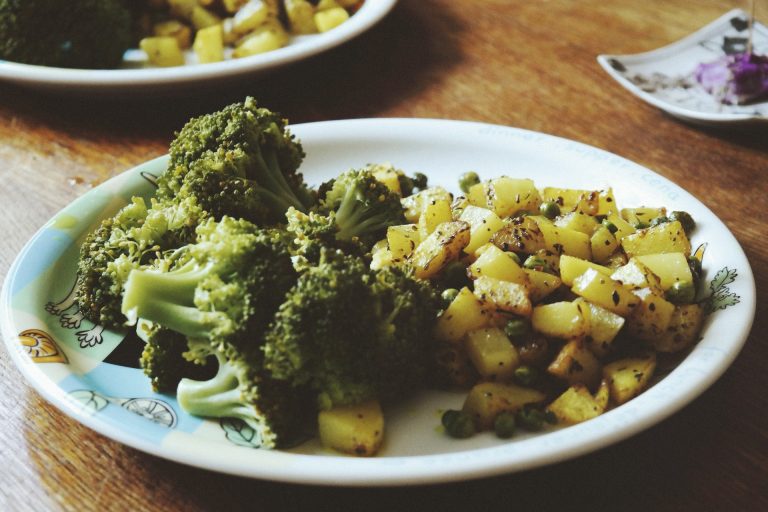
525,64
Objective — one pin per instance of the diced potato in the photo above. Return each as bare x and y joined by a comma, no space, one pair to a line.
330,18
605,292
642,216
683,330
492,354
623,228
265,39
503,295
577,221
522,235
575,405
487,399
443,246
604,326
493,262
551,259
174,28
564,320
606,203
476,195
465,313
402,241
575,364
162,51
381,256
603,395
182,8
585,201
626,378
509,196
301,16
483,224
635,275
454,368
209,44
388,175
671,268
414,204
603,244
355,429
233,5
435,212
250,16
541,284
564,241
322,5
662,238
202,18
651,317
572,267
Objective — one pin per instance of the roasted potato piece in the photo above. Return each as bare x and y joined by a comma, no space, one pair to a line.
564,320
605,292
503,295
662,238
493,262
521,235
492,354
465,313
483,224
626,378
440,248
575,364
354,429
683,329
575,405
487,399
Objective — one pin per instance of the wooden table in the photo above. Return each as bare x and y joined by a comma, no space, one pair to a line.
525,64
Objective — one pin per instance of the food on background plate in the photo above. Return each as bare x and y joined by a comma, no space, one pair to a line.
308,311
736,79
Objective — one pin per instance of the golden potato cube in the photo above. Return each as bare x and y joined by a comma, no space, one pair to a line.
483,224
603,244
541,284
605,292
301,16
651,317
623,228
575,364
487,399
603,395
381,256
626,378
250,16
585,201
322,5
435,212
353,429
564,241
683,330
476,195
209,44
493,262
162,51
575,405
232,6
604,326
508,196
642,215
443,246
454,368
388,175
267,38
329,19
465,313
564,320
414,204
174,28
492,354
521,234
202,18
572,267
402,240
671,268
503,295
662,238
635,275
577,221
606,202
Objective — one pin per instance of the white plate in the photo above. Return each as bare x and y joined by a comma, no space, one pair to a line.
664,77
63,357
138,77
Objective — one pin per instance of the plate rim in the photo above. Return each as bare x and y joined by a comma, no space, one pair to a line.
697,116
371,12
399,470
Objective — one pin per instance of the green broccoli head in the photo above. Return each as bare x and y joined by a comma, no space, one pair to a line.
222,290
131,239
76,34
351,334
245,148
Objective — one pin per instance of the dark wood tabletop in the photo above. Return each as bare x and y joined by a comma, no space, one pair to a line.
525,64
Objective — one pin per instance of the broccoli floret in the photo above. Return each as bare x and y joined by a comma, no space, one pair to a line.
133,238
249,152
75,34
163,359
352,334
278,412
354,210
223,289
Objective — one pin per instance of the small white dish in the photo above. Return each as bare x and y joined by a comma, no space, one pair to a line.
90,374
137,76
664,77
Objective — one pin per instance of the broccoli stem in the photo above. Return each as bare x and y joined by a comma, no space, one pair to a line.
268,174
354,219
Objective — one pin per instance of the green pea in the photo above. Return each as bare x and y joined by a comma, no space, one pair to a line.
448,295
685,219
526,375
681,293
467,180
517,328
537,263
549,209
550,417
530,419
610,225
458,424
504,425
